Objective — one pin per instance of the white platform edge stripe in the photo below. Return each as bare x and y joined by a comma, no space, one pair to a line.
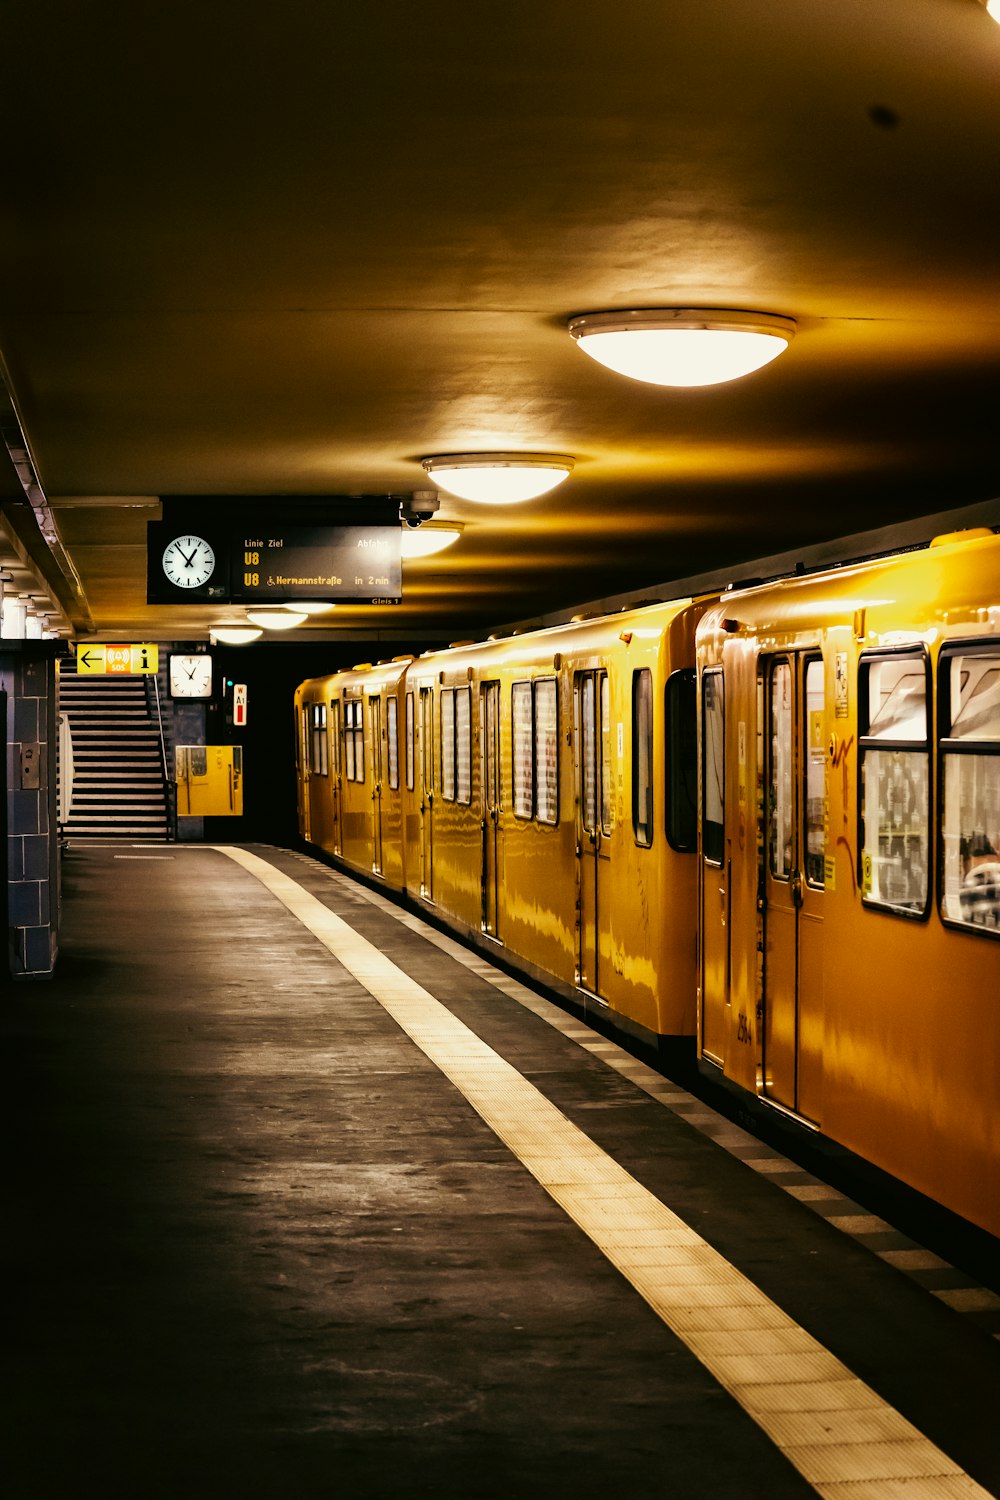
791,1376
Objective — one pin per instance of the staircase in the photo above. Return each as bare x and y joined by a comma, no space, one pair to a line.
118,789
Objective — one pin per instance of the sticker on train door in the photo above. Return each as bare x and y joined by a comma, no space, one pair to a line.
840,697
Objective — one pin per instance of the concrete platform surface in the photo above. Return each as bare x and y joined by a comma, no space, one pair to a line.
260,1243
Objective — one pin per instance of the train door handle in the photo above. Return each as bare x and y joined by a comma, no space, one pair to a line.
722,904
796,886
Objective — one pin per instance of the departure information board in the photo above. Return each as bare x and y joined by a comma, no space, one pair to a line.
360,563
195,559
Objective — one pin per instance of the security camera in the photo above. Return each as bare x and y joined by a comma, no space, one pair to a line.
420,505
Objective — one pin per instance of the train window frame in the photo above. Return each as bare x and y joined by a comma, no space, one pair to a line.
680,760
410,735
813,761
446,729
780,785
715,677
335,738
522,750
392,742
643,818
354,738
545,751
463,746
897,745
536,800
952,749
318,754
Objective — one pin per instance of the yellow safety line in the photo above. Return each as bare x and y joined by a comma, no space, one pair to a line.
839,1434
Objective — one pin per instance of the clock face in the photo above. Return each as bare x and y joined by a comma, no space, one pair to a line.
190,676
188,562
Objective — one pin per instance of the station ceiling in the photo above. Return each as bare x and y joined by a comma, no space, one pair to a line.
292,249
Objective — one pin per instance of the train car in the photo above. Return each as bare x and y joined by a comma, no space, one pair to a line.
849,863
549,806
349,775
318,748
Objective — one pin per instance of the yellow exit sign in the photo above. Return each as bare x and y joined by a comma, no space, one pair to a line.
120,660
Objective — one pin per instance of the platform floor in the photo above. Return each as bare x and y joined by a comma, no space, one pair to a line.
304,1201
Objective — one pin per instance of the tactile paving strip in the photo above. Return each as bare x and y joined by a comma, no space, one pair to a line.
841,1436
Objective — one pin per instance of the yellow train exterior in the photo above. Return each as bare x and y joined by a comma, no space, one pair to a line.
849,899
767,824
539,792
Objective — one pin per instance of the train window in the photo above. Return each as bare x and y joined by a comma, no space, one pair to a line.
335,737
642,756
448,744
588,754
392,725
546,709
815,770
894,782
969,683
607,806
463,745
681,735
521,738
713,732
781,788
410,758
354,738
317,740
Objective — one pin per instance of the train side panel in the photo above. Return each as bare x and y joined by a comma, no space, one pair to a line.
317,780
852,979
525,825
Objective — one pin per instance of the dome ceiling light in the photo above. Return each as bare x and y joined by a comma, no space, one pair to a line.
428,540
498,478
683,346
310,606
234,635
276,618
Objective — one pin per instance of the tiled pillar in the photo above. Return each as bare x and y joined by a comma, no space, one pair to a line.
28,680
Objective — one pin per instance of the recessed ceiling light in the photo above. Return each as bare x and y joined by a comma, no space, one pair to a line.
498,478
425,540
682,346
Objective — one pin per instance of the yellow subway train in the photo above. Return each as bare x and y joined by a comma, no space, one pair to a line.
762,826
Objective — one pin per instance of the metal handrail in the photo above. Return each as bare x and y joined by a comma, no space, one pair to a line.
168,786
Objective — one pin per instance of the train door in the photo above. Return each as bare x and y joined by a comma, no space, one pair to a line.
336,775
716,871
592,723
426,758
305,775
375,723
793,878
489,780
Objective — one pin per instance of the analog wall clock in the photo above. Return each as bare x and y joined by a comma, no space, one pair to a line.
190,676
188,562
